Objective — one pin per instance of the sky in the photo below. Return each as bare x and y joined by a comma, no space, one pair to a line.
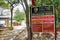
19,7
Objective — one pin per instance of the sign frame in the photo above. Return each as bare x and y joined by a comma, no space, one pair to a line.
54,19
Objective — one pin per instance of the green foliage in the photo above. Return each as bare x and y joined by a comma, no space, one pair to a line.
42,2
4,4
14,1
45,2
19,16
38,3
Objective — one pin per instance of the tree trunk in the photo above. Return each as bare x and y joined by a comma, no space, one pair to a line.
11,15
27,20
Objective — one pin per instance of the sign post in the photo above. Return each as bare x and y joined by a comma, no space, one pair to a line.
43,19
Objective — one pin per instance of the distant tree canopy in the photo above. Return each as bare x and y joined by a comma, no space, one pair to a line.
19,16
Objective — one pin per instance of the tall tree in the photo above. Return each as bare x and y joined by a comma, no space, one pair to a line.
27,19
9,4
26,9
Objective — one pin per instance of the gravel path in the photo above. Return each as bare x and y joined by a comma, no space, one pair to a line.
22,35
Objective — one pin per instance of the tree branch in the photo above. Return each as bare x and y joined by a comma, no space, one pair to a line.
22,4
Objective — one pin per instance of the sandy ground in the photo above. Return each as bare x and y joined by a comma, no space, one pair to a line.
20,33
